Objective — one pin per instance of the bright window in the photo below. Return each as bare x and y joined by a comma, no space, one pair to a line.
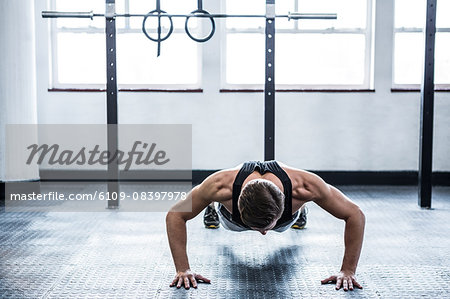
314,54
78,47
409,43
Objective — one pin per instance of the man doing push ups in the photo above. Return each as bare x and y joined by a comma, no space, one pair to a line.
263,196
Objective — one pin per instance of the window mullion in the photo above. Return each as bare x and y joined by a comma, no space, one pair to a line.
368,46
54,54
127,10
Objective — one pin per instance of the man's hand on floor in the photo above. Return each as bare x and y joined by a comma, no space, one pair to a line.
344,279
187,279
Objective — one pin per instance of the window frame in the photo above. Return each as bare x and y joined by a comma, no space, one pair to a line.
55,85
368,32
413,86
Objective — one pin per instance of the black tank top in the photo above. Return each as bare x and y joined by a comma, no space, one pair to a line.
263,167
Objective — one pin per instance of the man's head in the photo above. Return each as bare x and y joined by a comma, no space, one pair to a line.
261,204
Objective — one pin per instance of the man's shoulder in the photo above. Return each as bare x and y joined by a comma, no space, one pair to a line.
304,183
295,173
223,177
219,185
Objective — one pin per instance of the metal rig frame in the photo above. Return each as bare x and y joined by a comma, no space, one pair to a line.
110,16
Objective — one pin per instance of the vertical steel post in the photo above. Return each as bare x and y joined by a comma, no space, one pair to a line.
111,102
269,85
427,110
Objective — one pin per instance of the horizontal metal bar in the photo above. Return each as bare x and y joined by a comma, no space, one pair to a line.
58,14
97,30
294,16
311,16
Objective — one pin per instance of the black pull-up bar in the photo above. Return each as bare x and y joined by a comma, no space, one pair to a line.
198,13
91,15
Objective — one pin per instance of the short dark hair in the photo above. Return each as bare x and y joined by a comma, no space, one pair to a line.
260,203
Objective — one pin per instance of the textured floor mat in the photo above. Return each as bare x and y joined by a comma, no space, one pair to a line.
116,254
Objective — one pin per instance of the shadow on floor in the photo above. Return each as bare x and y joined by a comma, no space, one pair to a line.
273,269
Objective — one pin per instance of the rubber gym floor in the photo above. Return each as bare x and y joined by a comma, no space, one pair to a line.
114,254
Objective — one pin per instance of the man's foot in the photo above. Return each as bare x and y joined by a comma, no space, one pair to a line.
211,219
301,221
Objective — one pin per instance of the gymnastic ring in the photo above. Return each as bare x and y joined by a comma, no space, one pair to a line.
145,30
213,26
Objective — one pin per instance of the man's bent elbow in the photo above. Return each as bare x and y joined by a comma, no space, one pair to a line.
172,217
356,215
169,217
361,216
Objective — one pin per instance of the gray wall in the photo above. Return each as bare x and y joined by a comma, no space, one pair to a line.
317,131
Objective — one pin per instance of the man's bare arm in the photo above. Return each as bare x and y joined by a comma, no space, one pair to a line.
337,204
200,197
176,227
